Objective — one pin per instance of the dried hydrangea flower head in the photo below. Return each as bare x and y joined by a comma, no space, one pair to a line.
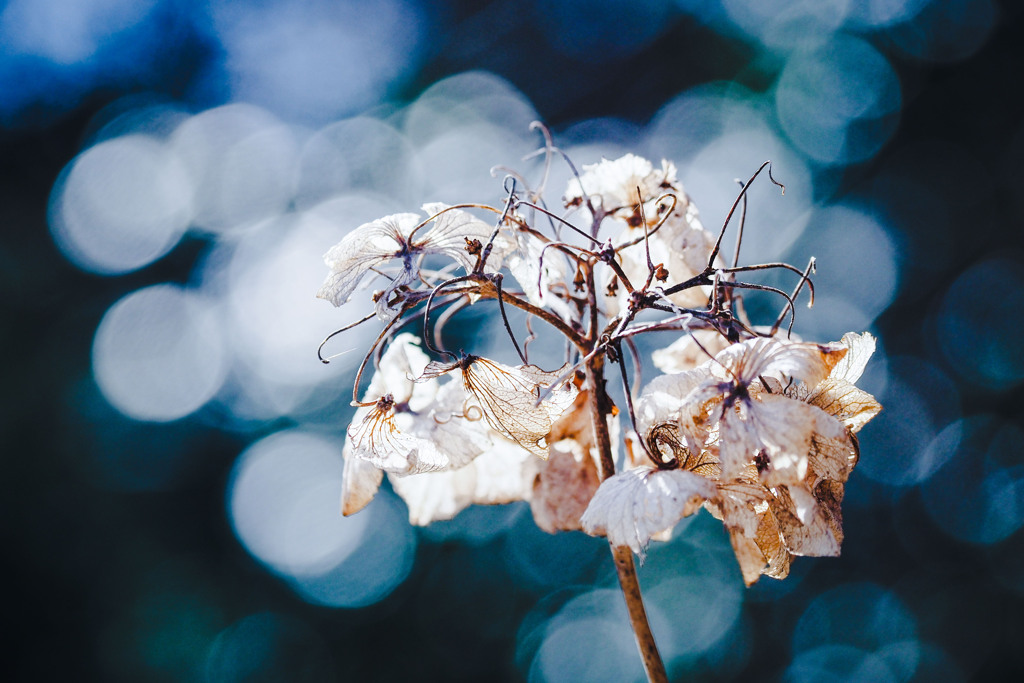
746,422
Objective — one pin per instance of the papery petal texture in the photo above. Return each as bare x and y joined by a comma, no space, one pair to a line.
368,246
631,506
359,483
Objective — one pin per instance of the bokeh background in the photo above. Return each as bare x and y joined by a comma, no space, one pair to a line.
171,172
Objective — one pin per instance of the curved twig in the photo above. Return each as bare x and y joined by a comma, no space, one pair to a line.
743,192
319,349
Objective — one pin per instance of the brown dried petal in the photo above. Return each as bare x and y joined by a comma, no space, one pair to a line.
852,406
813,537
359,483
564,487
752,561
769,540
832,459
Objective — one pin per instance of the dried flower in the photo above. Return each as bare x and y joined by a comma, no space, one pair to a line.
757,428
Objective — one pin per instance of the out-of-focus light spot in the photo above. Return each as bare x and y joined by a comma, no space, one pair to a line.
840,103
687,123
901,446
698,547
136,115
981,321
587,650
274,319
474,97
692,613
864,618
242,161
840,663
945,30
121,205
158,353
361,154
602,131
588,640
66,31
462,128
269,647
461,160
348,211
598,31
379,566
532,627
774,222
786,24
283,504
978,496
856,262
316,60
881,13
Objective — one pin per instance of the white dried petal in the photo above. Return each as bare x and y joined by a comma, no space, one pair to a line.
434,496
454,422
536,277
746,361
501,475
402,433
740,505
665,397
612,183
749,555
631,506
377,440
504,474
368,246
851,367
449,232
831,459
400,365
779,426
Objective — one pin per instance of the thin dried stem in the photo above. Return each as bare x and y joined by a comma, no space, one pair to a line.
739,232
504,317
732,210
625,568
332,335
790,304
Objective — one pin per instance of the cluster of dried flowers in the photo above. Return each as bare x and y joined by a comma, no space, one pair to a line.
753,425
